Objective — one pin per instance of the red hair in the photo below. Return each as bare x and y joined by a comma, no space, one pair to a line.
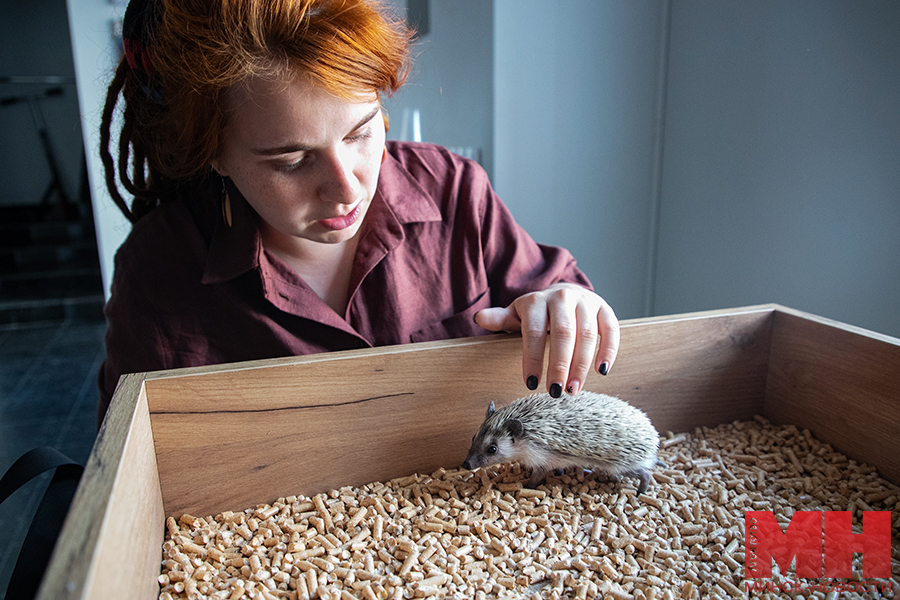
197,50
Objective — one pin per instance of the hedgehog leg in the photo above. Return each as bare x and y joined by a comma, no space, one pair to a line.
644,479
538,475
644,476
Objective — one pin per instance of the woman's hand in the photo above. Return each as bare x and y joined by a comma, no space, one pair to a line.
574,319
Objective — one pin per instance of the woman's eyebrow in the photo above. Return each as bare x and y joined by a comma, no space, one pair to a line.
291,148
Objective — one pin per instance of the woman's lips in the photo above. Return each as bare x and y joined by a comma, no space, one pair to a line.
338,223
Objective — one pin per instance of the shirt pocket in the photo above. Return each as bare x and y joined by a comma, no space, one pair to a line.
461,324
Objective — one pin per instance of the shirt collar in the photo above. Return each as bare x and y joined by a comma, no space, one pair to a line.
409,202
399,200
234,249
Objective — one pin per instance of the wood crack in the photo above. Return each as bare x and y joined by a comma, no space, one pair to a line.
281,408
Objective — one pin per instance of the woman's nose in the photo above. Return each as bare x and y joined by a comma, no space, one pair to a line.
339,182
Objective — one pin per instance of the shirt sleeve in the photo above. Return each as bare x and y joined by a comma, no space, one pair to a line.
133,341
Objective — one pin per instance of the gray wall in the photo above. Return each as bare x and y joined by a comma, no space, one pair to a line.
782,159
780,177
34,44
576,130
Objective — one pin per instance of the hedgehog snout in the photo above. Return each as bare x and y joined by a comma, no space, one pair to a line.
474,461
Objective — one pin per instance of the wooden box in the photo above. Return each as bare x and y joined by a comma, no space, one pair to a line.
228,437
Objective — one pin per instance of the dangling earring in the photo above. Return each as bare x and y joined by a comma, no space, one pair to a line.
226,204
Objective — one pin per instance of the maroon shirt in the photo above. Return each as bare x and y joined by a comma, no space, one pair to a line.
436,246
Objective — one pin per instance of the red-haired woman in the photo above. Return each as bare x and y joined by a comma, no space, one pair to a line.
271,218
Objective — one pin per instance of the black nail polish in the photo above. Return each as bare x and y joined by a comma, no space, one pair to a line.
556,390
570,390
532,382
604,368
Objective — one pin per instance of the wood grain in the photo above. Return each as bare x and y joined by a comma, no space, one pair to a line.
841,382
309,425
319,424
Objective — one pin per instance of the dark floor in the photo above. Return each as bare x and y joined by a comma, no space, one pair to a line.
48,396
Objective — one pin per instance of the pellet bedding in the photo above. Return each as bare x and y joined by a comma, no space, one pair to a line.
481,534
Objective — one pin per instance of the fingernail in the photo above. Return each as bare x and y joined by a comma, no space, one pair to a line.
532,382
604,368
556,390
573,388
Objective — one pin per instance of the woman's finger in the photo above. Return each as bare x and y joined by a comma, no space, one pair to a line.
585,346
532,310
609,338
563,333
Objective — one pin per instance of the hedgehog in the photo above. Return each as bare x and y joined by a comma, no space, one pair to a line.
589,430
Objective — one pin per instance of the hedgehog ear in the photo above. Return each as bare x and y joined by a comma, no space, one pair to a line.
514,428
490,410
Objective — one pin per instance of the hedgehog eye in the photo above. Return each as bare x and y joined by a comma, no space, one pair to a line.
492,449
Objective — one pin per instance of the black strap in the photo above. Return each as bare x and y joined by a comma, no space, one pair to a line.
41,537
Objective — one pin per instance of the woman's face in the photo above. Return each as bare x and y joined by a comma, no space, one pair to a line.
305,160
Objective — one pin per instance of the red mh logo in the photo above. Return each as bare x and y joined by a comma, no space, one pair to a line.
822,542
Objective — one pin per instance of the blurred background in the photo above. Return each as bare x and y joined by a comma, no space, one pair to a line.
692,155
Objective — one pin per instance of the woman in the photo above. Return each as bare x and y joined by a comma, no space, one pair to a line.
271,218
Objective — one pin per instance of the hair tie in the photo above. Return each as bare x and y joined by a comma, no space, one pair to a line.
140,17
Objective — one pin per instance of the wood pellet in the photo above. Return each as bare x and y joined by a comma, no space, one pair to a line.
463,534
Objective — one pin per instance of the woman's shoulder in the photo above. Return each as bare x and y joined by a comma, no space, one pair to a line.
166,244
431,161
451,180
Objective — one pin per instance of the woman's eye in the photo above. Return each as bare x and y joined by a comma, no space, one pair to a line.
357,137
287,168
492,449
